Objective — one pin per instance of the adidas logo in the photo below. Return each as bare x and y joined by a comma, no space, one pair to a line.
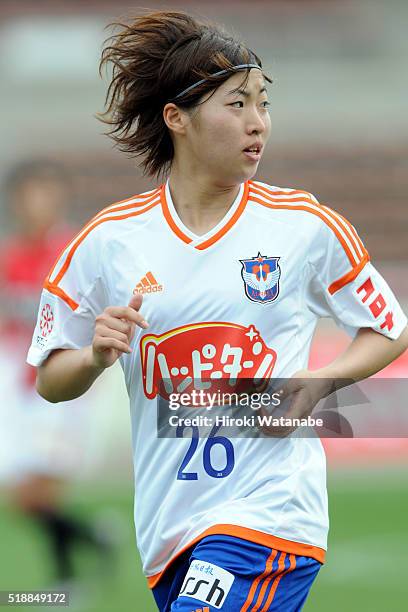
148,284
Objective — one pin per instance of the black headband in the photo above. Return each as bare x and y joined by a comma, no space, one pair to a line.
219,73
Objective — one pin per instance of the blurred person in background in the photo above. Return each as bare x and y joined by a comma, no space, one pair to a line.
41,445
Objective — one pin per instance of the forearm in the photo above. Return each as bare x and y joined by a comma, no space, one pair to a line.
67,374
367,354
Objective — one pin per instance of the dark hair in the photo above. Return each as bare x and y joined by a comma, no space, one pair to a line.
153,59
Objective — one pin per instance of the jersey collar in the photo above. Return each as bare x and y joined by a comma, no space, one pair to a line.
216,233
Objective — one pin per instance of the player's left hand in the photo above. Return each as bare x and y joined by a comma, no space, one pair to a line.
298,397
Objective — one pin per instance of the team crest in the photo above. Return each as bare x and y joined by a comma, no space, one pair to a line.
261,278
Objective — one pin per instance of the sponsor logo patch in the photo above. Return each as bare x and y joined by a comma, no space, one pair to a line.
207,583
183,358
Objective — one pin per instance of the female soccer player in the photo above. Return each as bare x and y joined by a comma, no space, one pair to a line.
212,276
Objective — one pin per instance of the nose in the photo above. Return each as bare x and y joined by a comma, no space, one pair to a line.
256,122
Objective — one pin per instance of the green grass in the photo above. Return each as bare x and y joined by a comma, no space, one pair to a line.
366,566
367,562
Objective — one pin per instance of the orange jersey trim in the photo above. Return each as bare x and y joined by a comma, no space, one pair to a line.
252,535
90,227
221,232
240,209
349,277
346,227
353,231
350,232
167,215
97,216
61,294
281,191
314,212
134,202
76,241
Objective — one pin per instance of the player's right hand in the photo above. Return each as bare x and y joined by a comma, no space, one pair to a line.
114,331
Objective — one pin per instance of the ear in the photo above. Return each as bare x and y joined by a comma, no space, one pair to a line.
175,118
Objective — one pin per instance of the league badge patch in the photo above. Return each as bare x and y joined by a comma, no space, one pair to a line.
46,320
261,278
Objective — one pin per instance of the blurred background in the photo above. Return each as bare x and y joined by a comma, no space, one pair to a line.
340,130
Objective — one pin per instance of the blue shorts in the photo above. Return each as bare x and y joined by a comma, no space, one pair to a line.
235,575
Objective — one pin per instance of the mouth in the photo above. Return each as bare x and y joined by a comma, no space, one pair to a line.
254,152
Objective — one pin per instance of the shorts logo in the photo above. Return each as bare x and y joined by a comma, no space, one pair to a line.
261,278
46,320
208,583
148,284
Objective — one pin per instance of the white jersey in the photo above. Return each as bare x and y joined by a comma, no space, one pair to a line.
241,300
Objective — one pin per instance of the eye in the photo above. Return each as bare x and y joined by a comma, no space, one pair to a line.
265,103
237,102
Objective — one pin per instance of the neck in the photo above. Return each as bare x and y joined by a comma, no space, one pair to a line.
200,201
